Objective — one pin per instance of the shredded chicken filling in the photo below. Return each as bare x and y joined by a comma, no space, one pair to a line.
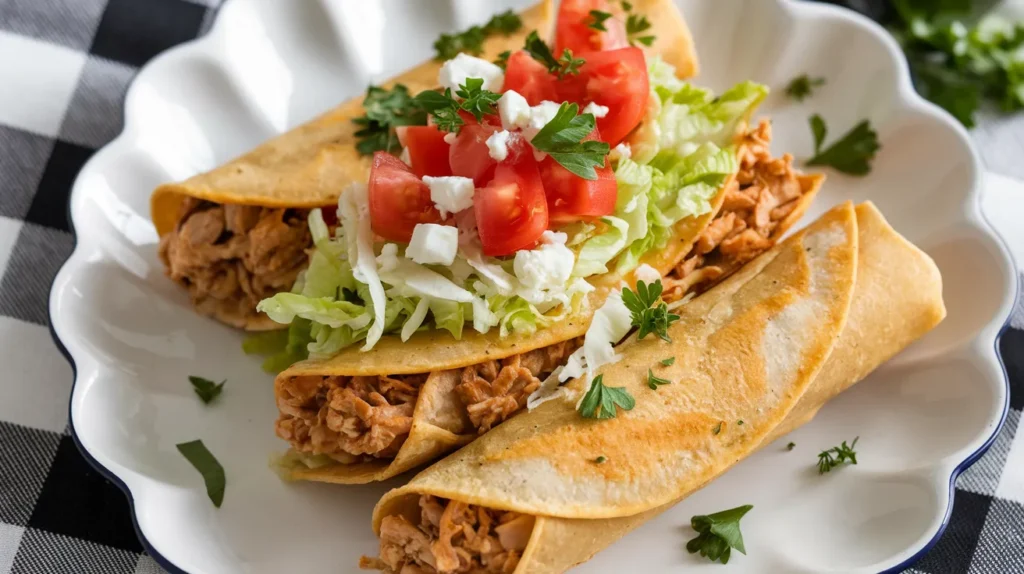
495,390
452,537
349,419
766,191
232,256
352,419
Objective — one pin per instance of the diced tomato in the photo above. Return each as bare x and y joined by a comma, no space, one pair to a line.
470,157
428,152
572,198
616,79
511,212
530,78
398,199
573,29
486,119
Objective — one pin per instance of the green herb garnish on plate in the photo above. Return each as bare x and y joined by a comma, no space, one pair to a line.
718,534
211,470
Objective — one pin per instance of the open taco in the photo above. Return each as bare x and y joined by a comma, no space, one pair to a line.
409,359
364,416
768,346
238,233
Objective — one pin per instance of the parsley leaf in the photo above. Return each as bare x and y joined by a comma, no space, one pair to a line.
540,51
476,100
568,66
601,459
717,429
852,154
562,139
647,317
837,455
505,23
211,470
445,108
668,362
654,382
502,59
471,40
600,401
791,446
563,66
626,6
206,389
386,110
957,64
597,20
636,25
718,534
801,87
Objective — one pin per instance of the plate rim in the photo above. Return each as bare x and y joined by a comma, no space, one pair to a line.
907,93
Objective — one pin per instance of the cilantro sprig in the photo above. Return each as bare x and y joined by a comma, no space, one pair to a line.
562,139
647,316
385,110
206,389
562,66
471,40
600,402
718,534
802,87
837,455
445,108
851,154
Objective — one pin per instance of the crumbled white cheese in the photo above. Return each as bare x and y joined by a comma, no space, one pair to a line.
433,244
599,111
540,115
621,151
454,73
449,138
548,266
514,110
450,194
497,145
647,274
405,157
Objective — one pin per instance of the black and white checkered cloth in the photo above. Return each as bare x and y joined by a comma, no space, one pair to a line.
64,68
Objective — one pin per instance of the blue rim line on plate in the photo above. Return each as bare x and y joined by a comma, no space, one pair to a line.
106,472
957,471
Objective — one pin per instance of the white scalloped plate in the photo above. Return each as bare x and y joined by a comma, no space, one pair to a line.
269,65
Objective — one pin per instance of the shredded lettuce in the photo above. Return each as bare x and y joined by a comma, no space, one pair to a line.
597,251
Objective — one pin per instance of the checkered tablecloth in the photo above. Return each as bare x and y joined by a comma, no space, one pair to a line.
64,67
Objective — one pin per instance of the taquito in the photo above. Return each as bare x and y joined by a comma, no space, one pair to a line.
768,346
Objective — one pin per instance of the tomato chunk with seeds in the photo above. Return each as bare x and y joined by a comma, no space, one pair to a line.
511,211
399,200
